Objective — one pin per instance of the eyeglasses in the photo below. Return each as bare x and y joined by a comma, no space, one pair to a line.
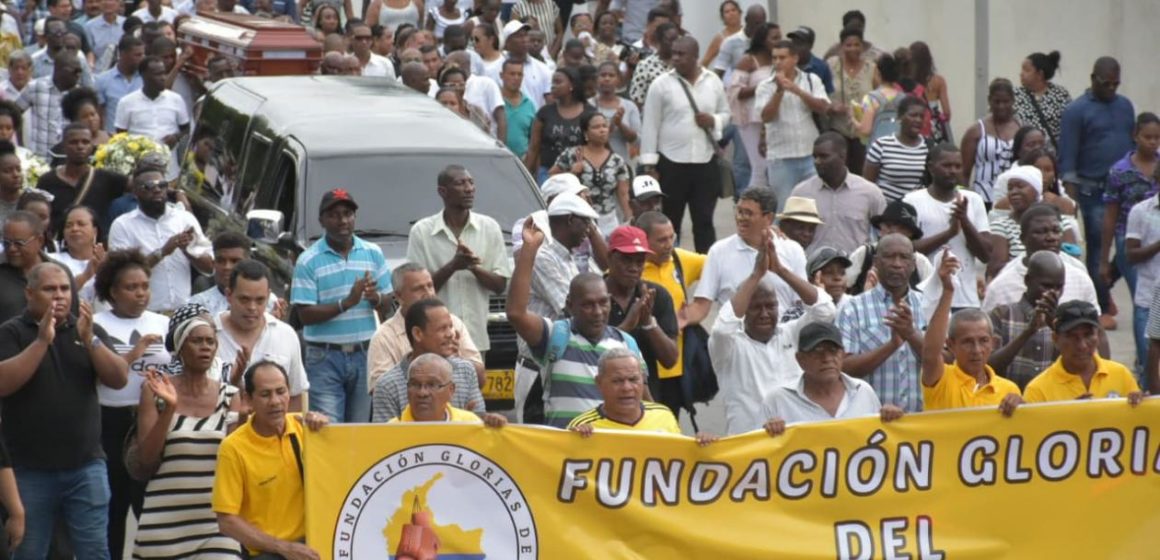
1106,83
19,242
155,185
429,387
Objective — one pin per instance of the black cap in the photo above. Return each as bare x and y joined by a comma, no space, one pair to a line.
814,334
824,256
803,33
1071,314
336,196
899,212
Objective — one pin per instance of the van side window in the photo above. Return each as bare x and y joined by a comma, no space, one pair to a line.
284,190
257,154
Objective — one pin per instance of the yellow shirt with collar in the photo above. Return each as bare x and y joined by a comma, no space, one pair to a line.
257,479
692,264
656,418
1111,379
959,389
453,415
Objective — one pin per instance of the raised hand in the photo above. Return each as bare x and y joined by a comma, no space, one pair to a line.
464,257
946,271
142,346
771,252
356,293
47,331
162,387
241,362
85,323
370,289
531,233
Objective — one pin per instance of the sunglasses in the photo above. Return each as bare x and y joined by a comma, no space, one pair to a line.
1106,83
21,243
155,185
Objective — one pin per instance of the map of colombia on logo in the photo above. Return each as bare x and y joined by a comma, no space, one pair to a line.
435,501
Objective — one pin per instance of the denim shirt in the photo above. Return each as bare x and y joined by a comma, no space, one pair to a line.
1094,136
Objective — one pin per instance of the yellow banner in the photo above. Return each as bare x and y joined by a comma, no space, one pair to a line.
1076,480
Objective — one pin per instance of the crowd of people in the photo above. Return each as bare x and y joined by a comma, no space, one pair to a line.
148,369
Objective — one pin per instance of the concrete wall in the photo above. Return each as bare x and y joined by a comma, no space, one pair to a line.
1080,30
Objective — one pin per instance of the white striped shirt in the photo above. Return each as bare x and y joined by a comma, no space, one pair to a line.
900,167
992,157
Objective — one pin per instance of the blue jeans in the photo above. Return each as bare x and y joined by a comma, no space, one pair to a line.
338,384
81,495
1140,330
741,167
785,174
542,175
1092,208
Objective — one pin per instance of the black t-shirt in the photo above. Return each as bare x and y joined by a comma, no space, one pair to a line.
558,133
54,420
106,187
665,315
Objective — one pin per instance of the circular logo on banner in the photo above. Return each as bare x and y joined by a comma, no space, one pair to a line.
435,501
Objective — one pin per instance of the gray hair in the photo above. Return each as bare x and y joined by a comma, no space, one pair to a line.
968,315
19,55
615,354
429,359
34,275
400,271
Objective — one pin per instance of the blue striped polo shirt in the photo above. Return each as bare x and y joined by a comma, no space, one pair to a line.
323,276
570,388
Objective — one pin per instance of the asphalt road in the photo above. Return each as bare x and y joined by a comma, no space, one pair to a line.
711,416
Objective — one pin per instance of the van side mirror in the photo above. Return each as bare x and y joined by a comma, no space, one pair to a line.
264,225
287,242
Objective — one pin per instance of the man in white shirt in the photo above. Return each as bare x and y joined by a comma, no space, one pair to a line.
822,392
751,352
154,11
729,259
465,252
788,100
371,63
955,218
105,32
678,140
248,335
537,77
153,111
168,235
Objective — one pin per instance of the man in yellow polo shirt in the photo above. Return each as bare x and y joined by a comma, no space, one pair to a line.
257,490
676,269
1079,373
429,390
969,381
621,385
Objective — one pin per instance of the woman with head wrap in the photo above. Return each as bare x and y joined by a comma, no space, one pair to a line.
1022,186
122,283
181,421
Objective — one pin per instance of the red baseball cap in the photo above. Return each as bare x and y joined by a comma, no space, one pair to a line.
629,240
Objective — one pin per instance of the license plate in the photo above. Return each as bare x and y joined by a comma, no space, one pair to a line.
499,385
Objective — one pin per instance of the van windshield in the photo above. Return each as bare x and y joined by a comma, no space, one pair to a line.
394,191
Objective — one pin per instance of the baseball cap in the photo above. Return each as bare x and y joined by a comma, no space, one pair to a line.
824,256
629,240
559,184
802,32
899,212
1071,314
336,196
514,26
569,204
801,209
645,187
816,333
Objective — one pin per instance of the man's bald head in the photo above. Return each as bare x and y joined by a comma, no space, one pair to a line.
333,64
431,364
460,59
755,15
1045,263
894,241
584,282
414,75
1105,65
1046,272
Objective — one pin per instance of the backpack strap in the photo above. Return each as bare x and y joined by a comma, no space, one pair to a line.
680,270
297,454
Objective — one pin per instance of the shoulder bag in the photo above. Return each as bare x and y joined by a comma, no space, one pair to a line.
727,184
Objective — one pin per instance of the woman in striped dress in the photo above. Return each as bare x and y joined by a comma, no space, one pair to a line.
180,423
986,146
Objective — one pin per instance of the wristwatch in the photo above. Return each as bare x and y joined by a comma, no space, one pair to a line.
96,342
160,403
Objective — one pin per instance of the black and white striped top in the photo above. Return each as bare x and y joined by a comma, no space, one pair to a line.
177,520
900,167
992,157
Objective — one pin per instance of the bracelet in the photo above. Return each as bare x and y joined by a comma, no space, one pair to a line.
340,309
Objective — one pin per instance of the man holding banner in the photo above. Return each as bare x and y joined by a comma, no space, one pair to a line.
969,381
429,390
257,493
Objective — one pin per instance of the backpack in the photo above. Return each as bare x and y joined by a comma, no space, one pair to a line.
698,378
886,117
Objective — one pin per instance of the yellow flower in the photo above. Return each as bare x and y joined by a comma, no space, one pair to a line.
134,146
